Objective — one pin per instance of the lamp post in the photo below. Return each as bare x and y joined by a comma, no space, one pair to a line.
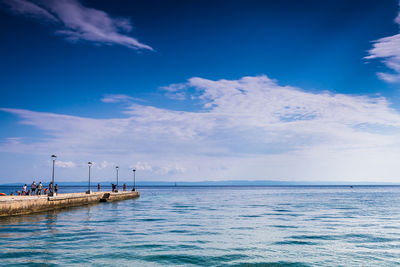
51,193
117,177
90,166
134,180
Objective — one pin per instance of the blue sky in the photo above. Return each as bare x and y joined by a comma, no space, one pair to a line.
200,90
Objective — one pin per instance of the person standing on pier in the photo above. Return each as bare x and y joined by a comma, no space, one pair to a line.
39,189
33,188
98,187
124,187
24,190
56,188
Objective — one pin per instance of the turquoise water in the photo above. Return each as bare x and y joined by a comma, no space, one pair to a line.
215,226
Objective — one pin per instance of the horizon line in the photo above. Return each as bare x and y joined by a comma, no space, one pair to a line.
217,183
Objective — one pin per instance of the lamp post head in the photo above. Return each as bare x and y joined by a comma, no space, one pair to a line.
53,157
90,163
134,170
117,167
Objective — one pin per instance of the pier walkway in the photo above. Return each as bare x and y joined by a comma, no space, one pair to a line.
17,205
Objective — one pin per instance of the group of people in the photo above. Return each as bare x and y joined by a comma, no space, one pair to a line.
115,189
36,189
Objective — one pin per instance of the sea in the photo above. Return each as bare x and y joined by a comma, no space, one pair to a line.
214,226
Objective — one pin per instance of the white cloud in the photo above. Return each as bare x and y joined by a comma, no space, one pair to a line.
172,169
27,8
175,91
115,98
142,166
79,23
251,128
14,140
104,164
388,50
65,164
388,77
163,169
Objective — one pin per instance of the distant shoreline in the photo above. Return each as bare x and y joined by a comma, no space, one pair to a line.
186,184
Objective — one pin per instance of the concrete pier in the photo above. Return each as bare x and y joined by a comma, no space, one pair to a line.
17,205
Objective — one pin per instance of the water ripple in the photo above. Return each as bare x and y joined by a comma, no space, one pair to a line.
266,226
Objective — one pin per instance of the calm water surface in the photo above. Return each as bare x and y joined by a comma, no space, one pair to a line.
215,226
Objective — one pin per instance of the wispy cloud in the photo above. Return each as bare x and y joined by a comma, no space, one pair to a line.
79,23
104,164
65,164
115,98
175,91
30,9
252,127
142,166
388,50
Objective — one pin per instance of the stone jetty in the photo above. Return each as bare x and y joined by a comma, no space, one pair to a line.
18,205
